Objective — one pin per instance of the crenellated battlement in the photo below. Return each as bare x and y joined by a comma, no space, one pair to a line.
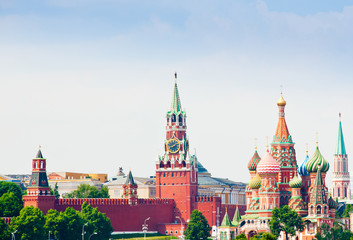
7,220
204,199
110,201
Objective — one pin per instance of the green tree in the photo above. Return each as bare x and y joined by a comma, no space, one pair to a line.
241,237
346,212
70,224
29,224
4,230
268,236
55,191
286,220
105,192
198,227
52,223
16,205
255,237
87,191
10,205
97,222
335,233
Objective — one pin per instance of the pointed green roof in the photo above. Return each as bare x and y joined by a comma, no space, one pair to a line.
226,221
39,154
130,179
236,218
176,103
341,149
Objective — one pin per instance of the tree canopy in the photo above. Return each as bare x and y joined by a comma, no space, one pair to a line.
4,230
241,237
97,222
55,191
88,191
198,227
335,233
11,201
29,224
287,220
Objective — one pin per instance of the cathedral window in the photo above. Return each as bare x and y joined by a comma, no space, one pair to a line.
338,192
345,192
325,210
312,210
318,210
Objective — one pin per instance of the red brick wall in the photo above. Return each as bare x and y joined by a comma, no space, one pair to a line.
125,217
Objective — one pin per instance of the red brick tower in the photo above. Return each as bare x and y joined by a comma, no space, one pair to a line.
38,191
130,189
176,171
284,153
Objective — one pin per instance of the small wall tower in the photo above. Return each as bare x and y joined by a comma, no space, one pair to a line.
38,190
176,170
340,177
130,189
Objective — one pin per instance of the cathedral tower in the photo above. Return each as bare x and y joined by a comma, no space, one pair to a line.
130,189
38,190
284,153
340,176
176,170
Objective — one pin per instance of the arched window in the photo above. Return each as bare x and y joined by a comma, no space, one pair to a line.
168,164
180,119
338,192
183,163
325,210
345,192
312,210
173,118
161,165
318,210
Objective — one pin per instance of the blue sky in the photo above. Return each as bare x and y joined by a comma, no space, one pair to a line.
91,81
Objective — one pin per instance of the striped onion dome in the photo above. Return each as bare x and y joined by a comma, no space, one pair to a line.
317,160
296,182
254,161
332,203
255,183
268,165
302,169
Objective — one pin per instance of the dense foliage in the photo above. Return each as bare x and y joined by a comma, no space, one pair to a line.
88,191
29,224
335,233
268,236
241,237
10,199
67,225
286,220
198,227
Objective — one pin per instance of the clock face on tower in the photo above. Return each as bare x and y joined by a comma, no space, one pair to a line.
173,145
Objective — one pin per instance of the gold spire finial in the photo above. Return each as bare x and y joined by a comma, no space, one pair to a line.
317,139
267,143
39,147
307,149
281,101
175,76
255,144
339,116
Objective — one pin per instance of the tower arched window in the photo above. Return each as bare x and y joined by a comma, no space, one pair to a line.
173,118
312,210
161,165
180,119
183,163
338,192
345,192
325,210
318,210
168,164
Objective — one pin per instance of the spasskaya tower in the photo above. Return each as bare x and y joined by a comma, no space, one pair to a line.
176,170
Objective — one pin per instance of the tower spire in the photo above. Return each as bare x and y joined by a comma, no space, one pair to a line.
176,104
282,133
340,149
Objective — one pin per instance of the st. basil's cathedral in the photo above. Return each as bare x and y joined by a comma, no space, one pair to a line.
275,181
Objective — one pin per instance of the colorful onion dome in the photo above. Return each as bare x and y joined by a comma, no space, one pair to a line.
281,101
296,182
255,183
302,169
317,160
268,165
254,161
332,204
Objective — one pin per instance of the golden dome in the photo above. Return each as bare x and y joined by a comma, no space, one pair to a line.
281,101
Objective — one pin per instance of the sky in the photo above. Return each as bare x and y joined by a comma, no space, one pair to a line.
91,81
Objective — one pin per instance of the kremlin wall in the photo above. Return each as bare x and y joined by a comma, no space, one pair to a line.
276,179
